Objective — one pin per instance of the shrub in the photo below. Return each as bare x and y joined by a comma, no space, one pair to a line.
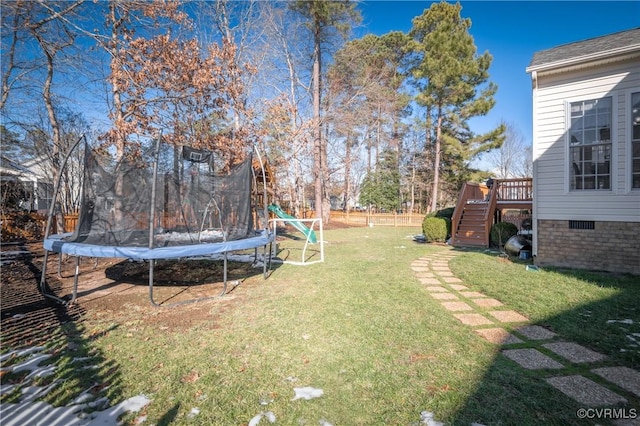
435,229
445,213
501,232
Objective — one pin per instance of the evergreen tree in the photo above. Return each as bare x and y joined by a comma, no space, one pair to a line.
453,86
381,187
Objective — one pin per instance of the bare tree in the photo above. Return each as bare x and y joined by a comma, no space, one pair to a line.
46,25
285,84
325,18
513,159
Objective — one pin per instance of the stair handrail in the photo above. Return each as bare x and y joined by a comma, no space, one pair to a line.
490,211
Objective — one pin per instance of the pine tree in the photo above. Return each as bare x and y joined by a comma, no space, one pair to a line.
325,19
452,81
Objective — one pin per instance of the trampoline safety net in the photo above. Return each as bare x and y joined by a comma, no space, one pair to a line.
192,204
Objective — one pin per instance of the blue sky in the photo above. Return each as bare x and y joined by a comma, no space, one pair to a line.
512,31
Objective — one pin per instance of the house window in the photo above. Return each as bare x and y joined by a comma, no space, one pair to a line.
590,144
635,140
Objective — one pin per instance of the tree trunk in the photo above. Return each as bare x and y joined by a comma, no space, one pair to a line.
317,131
413,179
347,173
436,166
118,106
55,129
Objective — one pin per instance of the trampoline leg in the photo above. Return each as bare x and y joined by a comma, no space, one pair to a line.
44,273
60,265
43,280
151,262
75,281
224,274
264,260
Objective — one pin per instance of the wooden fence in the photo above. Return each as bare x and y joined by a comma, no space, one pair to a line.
31,226
14,229
378,219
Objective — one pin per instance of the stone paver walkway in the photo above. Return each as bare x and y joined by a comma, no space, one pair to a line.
538,348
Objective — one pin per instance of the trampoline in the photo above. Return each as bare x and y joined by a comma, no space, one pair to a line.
164,202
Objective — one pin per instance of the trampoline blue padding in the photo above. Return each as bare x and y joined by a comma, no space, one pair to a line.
57,244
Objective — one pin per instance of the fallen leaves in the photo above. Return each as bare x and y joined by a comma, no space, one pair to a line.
191,377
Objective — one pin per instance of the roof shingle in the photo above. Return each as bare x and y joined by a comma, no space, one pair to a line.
587,47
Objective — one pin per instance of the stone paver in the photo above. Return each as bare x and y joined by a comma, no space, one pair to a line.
585,391
456,306
574,352
433,271
436,288
472,294
441,269
472,319
425,275
532,359
487,303
459,287
627,378
444,296
499,336
535,332
508,316
429,280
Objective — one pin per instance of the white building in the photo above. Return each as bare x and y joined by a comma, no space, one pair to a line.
586,153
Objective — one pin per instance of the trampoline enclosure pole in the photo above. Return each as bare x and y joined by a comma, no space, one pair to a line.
47,229
152,212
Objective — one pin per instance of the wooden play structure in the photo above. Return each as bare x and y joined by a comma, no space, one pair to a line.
480,206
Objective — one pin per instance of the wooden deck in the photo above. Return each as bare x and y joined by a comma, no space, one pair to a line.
479,207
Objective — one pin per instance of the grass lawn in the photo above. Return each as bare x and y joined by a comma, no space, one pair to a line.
363,329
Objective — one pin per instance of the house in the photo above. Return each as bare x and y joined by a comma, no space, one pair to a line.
35,178
586,153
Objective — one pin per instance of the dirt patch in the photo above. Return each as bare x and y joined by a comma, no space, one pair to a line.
113,290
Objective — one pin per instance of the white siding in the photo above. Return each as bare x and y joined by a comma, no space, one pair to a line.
553,200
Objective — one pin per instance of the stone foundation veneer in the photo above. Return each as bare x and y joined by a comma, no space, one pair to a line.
610,246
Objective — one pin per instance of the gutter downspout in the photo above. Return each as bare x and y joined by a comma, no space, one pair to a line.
534,195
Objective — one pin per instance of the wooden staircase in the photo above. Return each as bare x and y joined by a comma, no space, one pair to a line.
477,205
472,226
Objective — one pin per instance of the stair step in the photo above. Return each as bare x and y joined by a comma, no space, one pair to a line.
476,205
473,217
469,242
468,222
471,225
471,235
475,233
